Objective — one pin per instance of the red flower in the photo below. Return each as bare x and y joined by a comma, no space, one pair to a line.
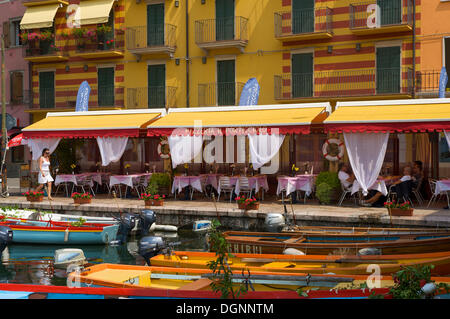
422,282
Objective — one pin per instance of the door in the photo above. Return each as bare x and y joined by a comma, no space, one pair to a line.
388,70
226,86
302,16
105,86
47,90
302,75
156,86
155,24
390,11
224,20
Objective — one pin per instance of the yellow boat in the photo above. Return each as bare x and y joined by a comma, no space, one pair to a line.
312,264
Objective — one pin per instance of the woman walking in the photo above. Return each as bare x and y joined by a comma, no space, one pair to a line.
44,176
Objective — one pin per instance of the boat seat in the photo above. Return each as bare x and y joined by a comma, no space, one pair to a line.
197,285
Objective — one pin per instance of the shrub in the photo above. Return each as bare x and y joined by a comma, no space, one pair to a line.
161,179
331,178
323,193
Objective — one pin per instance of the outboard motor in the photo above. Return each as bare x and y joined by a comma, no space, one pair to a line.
151,246
274,222
146,219
127,223
6,236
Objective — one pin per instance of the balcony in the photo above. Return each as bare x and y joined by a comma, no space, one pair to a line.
219,94
24,99
65,98
326,85
30,3
427,84
44,51
99,46
152,39
394,18
307,24
151,97
222,33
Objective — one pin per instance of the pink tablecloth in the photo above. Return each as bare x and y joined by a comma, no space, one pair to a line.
180,182
127,179
66,178
292,184
255,183
442,186
211,179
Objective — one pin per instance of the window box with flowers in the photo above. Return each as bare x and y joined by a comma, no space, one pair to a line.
153,200
84,198
397,209
34,196
247,203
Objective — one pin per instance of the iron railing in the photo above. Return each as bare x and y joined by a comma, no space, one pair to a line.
303,21
223,29
38,48
101,42
390,13
363,82
100,96
219,93
427,82
151,97
154,35
25,99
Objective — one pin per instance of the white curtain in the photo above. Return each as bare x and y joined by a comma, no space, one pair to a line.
447,136
184,148
366,154
263,148
37,145
111,148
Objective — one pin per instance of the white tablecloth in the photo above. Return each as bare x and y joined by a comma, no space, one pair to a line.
66,178
292,184
379,185
127,179
442,186
180,182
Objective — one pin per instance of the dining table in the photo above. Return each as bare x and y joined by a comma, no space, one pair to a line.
289,184
128,180
443,186
182,181
255,182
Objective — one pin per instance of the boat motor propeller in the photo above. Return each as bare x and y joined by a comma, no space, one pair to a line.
150,246
146,219
6,236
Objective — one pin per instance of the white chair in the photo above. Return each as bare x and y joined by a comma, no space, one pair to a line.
139,184
244,186
435,196
225,187
86,182
345,192
416,192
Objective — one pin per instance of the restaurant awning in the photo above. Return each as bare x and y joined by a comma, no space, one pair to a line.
241,120
95,11
418,115
93,124
37,17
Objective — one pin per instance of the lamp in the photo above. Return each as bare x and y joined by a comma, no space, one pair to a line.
358,47
203,59
177,4
177,61
67,68
330,49
203,1
85,68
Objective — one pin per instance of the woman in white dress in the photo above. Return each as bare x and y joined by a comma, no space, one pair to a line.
44,172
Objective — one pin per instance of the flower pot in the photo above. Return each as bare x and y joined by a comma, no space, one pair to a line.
82,201
35,198
402,212
253,206
153,202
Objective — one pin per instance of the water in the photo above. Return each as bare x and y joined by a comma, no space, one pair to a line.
33,264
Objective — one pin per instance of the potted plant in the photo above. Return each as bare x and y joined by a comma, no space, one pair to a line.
153,199
397,209
79,198
34,196
127,166
294,170
327,187
80,37
247,203
163,182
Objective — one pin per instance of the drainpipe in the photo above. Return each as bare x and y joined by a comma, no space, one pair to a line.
414,50
187,54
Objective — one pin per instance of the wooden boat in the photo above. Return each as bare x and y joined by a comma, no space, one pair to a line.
50,232
310,264
362,230
276,243
131,276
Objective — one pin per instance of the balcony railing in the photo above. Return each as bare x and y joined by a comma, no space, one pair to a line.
427,83
219,33
221,94
391,13
65,98
44,50
338,84
151,97
303,22
152,38
101,43
25,99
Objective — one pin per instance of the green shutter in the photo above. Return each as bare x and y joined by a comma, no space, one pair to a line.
156,86
224,20
390,11
105,86
302,16
155,24
302,75
47,90
388,70
226,86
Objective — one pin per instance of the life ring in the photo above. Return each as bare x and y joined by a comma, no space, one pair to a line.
340,145
160,153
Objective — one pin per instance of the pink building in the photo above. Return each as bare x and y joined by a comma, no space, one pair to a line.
17,79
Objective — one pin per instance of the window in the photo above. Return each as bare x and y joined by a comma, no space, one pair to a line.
47,89
156,86
155,24
302,16
388,70
224,20
302,75
14,33
105,86
16,85
17,154
226,86
391,11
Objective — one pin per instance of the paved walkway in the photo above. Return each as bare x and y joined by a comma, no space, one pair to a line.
198,209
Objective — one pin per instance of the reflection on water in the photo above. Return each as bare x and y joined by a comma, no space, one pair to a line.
33,264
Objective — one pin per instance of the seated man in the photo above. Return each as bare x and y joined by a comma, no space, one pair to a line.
375,199
417,173
403,186
345,176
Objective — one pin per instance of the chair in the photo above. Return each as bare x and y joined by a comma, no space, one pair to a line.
416,192
139,184
391,193
345,192
86,182
65,184
244,186
225,187
435,196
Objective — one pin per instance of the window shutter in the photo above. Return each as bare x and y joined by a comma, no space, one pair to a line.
17,87
6,33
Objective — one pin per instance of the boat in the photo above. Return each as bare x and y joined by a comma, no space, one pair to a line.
51,232
310,264
322,243
362,230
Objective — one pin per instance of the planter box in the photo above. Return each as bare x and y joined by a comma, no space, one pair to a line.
402,212
154,202
34,198
82,200
254,206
